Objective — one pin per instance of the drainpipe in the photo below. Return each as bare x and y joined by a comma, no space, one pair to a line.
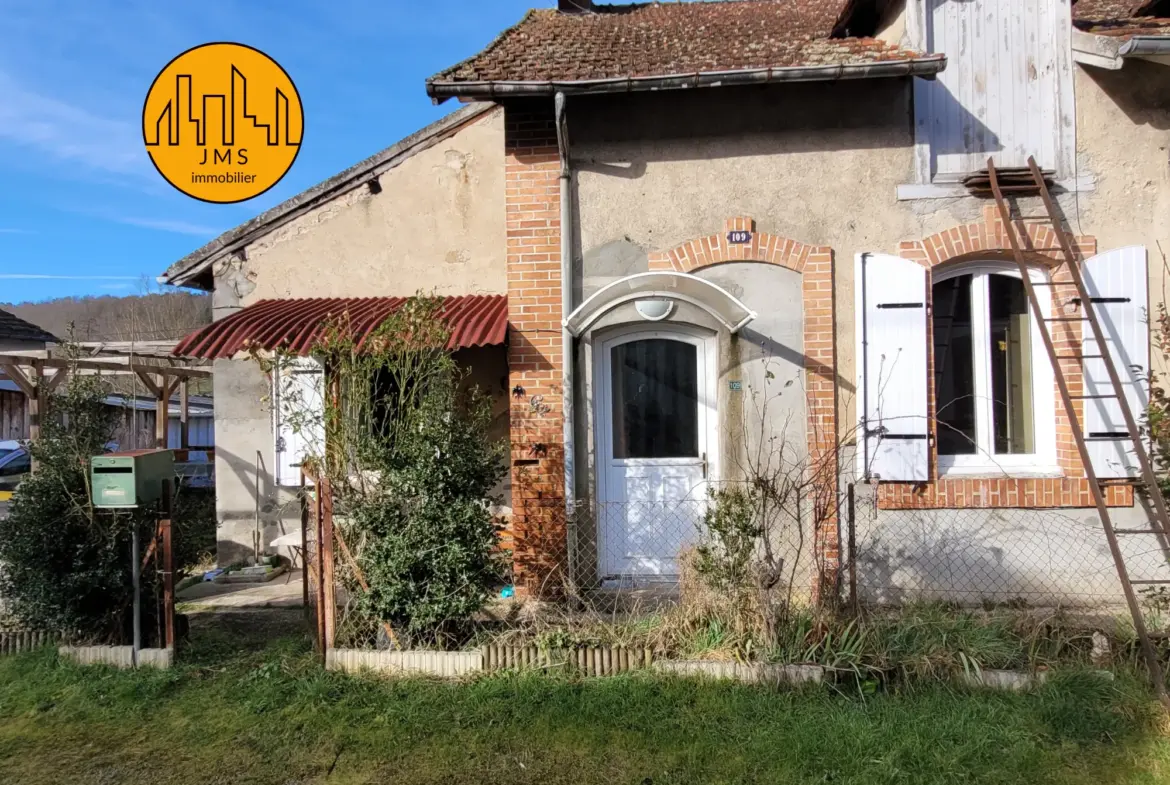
567,358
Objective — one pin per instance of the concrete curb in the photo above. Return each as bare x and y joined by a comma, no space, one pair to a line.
118,656
446,664
748,673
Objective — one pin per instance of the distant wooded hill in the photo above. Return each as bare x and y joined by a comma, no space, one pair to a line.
157,316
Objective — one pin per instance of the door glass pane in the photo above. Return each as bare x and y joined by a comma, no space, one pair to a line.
954,369
655,399
1011,365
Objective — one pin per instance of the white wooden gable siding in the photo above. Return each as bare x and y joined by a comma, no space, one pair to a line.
1118,284
892,383
1006,91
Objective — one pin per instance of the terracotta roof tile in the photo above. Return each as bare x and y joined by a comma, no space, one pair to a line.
1120,18
654,40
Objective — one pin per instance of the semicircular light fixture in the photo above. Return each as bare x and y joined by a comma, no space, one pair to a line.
654,310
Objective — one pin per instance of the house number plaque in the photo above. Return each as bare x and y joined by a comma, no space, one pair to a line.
739,237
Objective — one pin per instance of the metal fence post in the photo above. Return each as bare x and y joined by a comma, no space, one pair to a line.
851,523
168,563
318,564
327,572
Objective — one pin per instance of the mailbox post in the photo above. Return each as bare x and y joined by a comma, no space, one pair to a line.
128,481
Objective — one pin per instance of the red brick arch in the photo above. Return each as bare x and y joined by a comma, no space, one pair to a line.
989,240
815,265
715,249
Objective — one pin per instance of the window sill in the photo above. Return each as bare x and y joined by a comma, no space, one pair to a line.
914,191
992,472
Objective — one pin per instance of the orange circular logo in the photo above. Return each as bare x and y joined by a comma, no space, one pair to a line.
222,122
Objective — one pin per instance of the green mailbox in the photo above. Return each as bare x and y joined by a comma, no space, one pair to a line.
130,479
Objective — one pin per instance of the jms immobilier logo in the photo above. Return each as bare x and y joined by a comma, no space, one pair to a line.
223,122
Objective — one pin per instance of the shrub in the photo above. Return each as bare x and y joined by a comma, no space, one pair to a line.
733,531
66,566
412,468
430,537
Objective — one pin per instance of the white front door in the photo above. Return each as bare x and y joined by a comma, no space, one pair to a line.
655,416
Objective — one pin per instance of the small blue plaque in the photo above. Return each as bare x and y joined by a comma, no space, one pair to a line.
739,237
735,386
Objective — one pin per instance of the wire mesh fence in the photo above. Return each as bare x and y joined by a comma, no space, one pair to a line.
1014,556
630,563
619,563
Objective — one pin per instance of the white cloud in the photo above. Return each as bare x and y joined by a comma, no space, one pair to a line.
14,231
68,133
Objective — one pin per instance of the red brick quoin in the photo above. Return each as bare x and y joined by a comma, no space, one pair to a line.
983,242
532,199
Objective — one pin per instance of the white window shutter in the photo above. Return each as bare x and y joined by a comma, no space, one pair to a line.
1118,284
891,360
298,405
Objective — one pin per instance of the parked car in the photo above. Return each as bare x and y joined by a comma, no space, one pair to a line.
15,464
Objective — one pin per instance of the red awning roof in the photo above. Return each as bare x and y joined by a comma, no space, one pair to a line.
296,325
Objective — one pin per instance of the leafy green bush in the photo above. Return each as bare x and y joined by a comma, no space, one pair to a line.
412,466
66,566
733,530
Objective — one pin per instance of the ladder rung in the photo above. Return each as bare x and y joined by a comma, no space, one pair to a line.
1090,397
1052,283
1066,319
1080,357
1150,583
1137,531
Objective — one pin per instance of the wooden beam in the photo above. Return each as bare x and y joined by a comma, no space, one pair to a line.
162,411
14,373
36,401
54,381
107,365
184,413
150,383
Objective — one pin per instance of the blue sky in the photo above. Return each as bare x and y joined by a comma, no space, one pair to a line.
82,210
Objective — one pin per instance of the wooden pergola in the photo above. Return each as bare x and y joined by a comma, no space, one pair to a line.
39,374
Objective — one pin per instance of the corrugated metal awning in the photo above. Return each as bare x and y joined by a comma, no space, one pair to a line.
297,325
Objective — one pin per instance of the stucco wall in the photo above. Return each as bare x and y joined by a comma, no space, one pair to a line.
978,556
437,226
1123,141
816,163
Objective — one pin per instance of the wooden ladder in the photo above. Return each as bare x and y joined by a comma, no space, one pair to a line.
1160,525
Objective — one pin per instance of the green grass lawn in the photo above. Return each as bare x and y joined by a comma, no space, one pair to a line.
250,707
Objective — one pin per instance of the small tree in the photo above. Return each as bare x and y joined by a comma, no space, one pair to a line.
64,566
412,467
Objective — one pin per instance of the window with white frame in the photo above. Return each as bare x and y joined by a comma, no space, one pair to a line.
1006,92
994,388
994,404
